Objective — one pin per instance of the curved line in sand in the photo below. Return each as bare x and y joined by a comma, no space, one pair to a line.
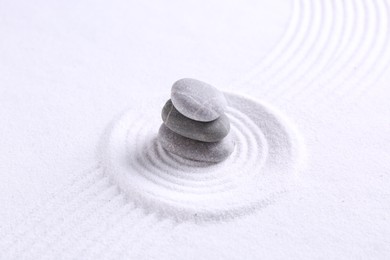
263,165
169,172
281,47
335,49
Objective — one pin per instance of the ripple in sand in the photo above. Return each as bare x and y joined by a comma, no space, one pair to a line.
336,49
262,166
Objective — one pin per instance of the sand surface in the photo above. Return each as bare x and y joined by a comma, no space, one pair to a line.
69,69
268,155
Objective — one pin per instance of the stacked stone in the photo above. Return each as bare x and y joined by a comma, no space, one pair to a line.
195,125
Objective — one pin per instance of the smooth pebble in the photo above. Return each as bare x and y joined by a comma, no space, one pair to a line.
195,150
198,100
212,131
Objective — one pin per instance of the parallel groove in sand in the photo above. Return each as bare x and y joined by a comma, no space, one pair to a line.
350,50
87,203
328,60
51,211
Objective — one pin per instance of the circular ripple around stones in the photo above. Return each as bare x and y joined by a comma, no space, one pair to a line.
262,166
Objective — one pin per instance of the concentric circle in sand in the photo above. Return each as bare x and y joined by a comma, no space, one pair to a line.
262,166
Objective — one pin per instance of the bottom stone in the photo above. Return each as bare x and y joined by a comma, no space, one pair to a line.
195,150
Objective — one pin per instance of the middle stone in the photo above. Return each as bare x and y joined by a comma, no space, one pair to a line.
212,131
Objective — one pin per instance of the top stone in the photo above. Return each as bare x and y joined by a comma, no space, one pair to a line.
198,100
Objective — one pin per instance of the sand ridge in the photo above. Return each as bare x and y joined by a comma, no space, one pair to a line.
262,167
335,49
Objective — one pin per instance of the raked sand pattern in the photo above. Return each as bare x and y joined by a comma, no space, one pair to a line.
82,220
264,161
329,47
336,49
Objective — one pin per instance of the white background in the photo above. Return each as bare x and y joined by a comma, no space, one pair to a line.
67,69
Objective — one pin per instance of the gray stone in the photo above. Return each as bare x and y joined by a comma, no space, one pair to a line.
198,100
195,150
212,131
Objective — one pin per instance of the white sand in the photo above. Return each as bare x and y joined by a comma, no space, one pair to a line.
266,158
68,69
